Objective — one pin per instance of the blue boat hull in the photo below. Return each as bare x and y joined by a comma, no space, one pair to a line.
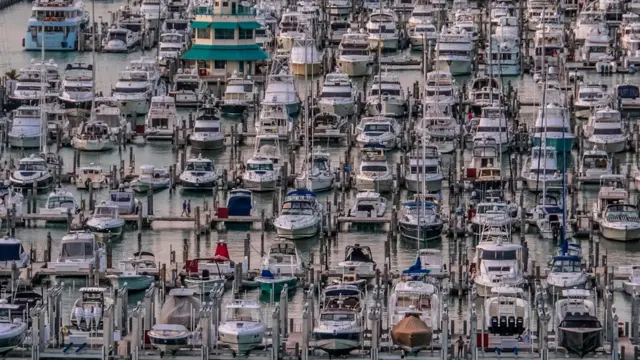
52,41
562,145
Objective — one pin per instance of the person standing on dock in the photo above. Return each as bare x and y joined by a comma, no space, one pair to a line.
184,208
460,347
189,209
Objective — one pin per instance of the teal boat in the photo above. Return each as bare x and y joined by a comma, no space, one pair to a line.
552,126
134,274
274,284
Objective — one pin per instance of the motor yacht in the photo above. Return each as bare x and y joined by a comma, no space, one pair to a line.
591,96
596,45
542,170
374,172
28,87
440,92
613,190
386,96
338,95
282,258
422,14
151,178
552,127
106,221
504,57
207,131
171,45
492,212
423,36
161,119
274,119
199,174
593,165
454,48
126,201
188,89
32,172
239,96
328,125
589,20
383,31
605,131
497,263
203,275
354,54
301,215
305,58
154,12
27,128
134,90
77,86
340,325
494,125
317,175
339,7
281,90
441,129
242,328
628,96
60,202
379,130
422,170
292,25
415,296
368,204
107,110
79,251
94,136
121,40
13,328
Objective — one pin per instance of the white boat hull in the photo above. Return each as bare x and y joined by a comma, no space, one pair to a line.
340,109
92,145
24,142
388,44
619,233
354,67
259,185
431,185
377,185
389,107
292,233
460,67
630,287
315,184
610,147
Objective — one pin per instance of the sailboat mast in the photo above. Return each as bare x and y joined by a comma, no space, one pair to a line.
93,53
43,90
380,43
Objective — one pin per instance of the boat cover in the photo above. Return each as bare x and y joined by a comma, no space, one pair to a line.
239,205
412,333
180,310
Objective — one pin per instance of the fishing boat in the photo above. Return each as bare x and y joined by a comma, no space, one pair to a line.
171,45
541,169
416,296
552,125
199,174
79,251
151,177
282,258
137,273
13,252
579,330
188,90
106,221
620,222
386,96
301,215
338,95
506,312
605,130
357,259
240,94
382,29
60,201
354,57
27,130
179,313
422,170
420,221
32,173
593,165
317,175
55,25
378,130
374,172
240,202
292,25
368,204
161,119
77,86
305,58
596,45
86,315
242,328
281,90
340,326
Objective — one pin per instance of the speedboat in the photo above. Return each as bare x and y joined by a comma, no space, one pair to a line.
593,165
120,40
27,129
605,130
106,221
358,259
338,95
77,86
541,169
283,258
317,175
199,174
240,202
301,215
179,315
239,95
79,251
386,96
60,202
13,252
566,273
125,200
620,222
13,329
32,173
86,315
422,170
374,172
161,119
420,221
506,312
136,274
207,130
368,204
414,308
380,130
151,177
242,328
578,330
340,326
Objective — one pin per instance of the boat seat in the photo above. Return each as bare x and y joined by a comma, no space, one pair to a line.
494,324
511,320
503,325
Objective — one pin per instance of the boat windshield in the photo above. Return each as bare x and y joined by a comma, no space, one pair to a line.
374,168
120,197
267,166
297,208
320,164
566,266
499,255
60,202
242,314
76,250
595,162
105,212
378,128
199,166
32,166
483,209
337,317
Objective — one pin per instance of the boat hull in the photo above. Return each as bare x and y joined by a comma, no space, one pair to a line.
276,286
619,233
233,109
580,341
53,41
354,68
388,44
431,185
168,343
377,185
41,183
337,343
92,145
207,144
297,233
133,283
389,108
340,109
315,185
198,186
259,185
306,69
428,233
24,142
561,145
505,69
609,147
460,67
142,186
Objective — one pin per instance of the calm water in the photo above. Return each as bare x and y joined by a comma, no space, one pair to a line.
161,240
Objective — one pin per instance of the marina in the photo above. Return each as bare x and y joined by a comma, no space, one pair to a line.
204,179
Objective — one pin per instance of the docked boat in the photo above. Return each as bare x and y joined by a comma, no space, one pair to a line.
77,86
55,25
274,120
494,125
386,96
86,315
134,90
593,165
317,175
374,172
422,14
161,119
620,222
506,312
441,129
420,221
628,96
151,177
107,110
94,136
358,259
305,58
32,173
262,171
579,330
27,128
504,56
10,198
590,97
207,130
242,328
106,221
340,325
13,327
355,57
497,263
203,275
60,202
199,174
171,45
79,252
283,258
454,48
154,12
91,175
281,90
327,125
566,273
596,46
13,252
188,89
379,130
605,131
383,31
337,29
417,297
613,190
440,93
124,198
423,36
552,126
632,284
368,204
239,96
541,169
422,170
240,202
121,40
339,7
178,316
301,215
137,273
292,25
338,95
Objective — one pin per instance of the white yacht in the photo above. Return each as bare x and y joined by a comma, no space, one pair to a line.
301,215
90,176
368,204
263,168
239,96
632,284
566,273
134,90
94,136
76,89
354,54
199,174
590,96
28,87
121,40
188,89
207,130
620,222
292,25
440,92
338,95
422,14
27,128
242,328
171,46
613,190
106,221
281,90
161,119
380,130
316,175
32,172
497,264
125,200
423,169
154,12
494,125
593,165
274,119
442,130
374,172
504,57
492,212
588,21
337,29
605,131
342,319
305,58
79,252
423,35
151,177
596,46
107,110
454,48
541,169
339,7
60,201
386,96
383,30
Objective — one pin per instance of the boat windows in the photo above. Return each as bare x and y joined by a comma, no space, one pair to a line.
361,52
337,317
340,26
610,131
336,94
130,90
32,166
538,171
590,95
374,168
597,49
297,207
264,167
427,169
202,129
551,129
76,250
566,266
504,56
199,166
162,123
462,53
35,87
56,202
378,128
392,92
77,88
500,255
104,212
491,129
628,92
187,86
